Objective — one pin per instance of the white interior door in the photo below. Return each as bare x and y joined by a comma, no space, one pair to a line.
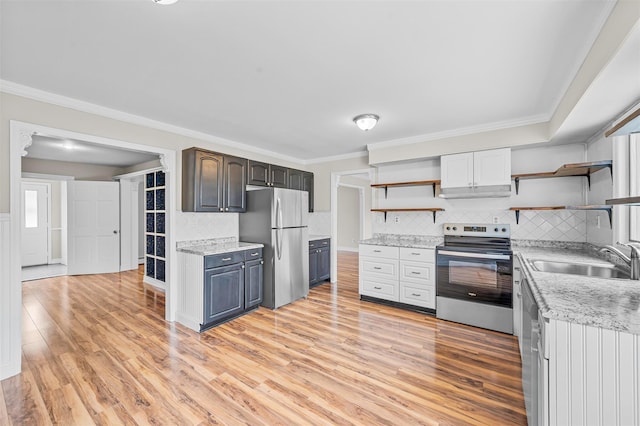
93,215
35,224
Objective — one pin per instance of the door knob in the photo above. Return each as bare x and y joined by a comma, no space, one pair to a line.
115,232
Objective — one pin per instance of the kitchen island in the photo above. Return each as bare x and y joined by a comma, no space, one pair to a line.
219,280
580,340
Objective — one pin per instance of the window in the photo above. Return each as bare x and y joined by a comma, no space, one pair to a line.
634,186
626,168
30,209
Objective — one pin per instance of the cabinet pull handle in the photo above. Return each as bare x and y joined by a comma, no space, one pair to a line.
255,254
472,294
377,251
262,262
416,294
415,254
226,259
377,288
325,243
377,267
415,273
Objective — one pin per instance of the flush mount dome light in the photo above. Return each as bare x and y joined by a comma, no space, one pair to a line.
165,1
366,121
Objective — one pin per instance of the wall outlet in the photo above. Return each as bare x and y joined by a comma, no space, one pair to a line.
396,219
496,219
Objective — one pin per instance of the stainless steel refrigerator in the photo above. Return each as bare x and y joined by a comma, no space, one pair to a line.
278,219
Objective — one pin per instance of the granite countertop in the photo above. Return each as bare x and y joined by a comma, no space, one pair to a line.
612,304
215,246
412,241
318,237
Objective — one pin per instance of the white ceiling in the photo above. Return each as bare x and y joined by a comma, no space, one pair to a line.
288,76
75,151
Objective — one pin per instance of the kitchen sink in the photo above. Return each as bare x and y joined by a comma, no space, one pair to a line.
585,269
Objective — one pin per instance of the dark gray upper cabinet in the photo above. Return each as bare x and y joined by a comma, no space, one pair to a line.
307,185
202,175
264,174
258,173
235,183
295,179
213,182
279,176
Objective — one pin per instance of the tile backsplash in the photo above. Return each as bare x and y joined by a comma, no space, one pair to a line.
320,223
558,225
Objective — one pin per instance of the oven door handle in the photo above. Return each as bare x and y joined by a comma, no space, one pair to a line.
475,255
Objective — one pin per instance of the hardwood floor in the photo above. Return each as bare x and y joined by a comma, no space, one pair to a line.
96,350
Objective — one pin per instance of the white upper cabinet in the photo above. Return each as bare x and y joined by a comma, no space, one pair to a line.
492,167
456,170
474,169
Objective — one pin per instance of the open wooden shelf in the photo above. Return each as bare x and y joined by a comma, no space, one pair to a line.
386,186
424,209
588,207
628,201
573,169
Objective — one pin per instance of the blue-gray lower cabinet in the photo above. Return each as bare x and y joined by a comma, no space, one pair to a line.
319,261
217,288
223,293
253,271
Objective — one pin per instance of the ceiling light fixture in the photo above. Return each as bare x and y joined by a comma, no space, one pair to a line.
366,121
165,2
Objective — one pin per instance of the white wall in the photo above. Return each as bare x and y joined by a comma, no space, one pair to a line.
601,190
562,225
348,218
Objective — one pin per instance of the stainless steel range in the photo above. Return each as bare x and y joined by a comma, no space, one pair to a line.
474,276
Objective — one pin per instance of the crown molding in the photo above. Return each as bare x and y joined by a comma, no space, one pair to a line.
17,89
337,157
501,125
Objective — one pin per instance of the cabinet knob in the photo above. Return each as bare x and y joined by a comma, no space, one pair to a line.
226,209
221,209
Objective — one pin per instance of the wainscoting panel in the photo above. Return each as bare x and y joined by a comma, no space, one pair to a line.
9,320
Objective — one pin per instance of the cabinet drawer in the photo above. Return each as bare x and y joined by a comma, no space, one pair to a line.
385,268
253,254
417,254
381,289
418,296
417,271
215,260
378,251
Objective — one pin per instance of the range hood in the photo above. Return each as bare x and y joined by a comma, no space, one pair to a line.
489,191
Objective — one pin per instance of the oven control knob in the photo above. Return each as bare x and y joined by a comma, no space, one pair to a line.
455,228
495,229
504,229
448,228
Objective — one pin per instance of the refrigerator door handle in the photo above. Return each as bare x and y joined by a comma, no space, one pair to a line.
278,243
278,214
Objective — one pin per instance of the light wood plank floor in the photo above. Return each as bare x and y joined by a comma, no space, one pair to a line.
96,350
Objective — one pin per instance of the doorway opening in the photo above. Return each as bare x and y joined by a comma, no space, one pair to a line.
350,218
24,137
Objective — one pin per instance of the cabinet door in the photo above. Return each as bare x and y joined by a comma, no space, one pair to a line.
295,179
278,176
313,266
235,184
307,185
257,173
253,283
492,167
202,186
223,293
324,263
456,170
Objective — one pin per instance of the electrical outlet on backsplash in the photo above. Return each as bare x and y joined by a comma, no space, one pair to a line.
560,225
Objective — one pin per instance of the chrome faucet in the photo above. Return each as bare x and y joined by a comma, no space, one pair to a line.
633,261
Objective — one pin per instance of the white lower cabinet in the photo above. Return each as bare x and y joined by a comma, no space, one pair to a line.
405,275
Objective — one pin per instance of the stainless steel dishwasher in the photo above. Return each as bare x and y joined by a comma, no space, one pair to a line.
530,352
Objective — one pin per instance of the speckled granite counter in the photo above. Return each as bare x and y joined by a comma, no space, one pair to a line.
318,237
214,246
612,304
395,240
